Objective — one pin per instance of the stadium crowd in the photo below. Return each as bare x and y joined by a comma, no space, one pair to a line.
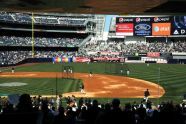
39,41
114,46
41,19
70,110
138,47
89,49
13,57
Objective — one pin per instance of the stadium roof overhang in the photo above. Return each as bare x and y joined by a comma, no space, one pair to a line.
119,7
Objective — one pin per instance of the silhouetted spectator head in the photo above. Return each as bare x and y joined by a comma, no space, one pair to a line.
95,103
25,103
107,106
61,109
128,106
44,106
115,103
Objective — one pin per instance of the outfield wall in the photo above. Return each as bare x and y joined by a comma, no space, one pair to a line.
120,60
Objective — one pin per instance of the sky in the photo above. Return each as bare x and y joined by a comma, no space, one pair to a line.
108,21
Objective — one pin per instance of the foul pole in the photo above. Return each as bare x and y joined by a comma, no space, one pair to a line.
159,71
32,35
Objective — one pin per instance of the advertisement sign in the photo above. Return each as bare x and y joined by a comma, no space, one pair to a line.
178,25
109,53
140,54
125,29
161,29
146,26
56,59
161,19
153,54
70,59
142,26
124,26
105,59
124,20
81,59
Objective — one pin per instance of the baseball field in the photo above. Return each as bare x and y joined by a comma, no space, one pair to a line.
164,81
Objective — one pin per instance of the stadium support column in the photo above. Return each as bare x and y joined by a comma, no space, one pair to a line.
32,35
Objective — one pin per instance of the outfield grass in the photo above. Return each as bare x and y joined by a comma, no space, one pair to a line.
171,76
40,86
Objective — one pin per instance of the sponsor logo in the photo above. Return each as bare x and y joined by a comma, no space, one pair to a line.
123,19
120,19
179,32
137,19
161,19
156,19
142,54
125,29
161,29
182,31
176,32
128,20
156,28
142,19
153,54
143,27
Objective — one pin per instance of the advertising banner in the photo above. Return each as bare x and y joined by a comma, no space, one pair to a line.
56,59
109,53
120,20
178,25
161,29
162,19
148,26
105,59
124,26
125,29
140,54
153,54
81,59
70,59
143,26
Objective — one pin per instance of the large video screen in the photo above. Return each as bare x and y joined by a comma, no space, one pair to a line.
178,25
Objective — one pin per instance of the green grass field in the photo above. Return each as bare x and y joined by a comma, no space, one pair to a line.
171,76
40,86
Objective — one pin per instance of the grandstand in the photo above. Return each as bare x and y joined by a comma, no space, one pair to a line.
86,33
51,33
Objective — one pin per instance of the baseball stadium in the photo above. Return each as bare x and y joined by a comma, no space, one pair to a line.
89,68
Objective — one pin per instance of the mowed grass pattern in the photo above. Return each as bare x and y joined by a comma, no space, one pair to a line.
40,86
171,76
